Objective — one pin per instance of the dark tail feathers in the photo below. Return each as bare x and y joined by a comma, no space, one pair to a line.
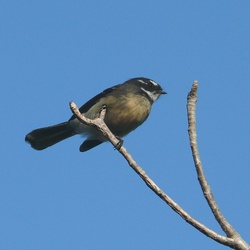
42,138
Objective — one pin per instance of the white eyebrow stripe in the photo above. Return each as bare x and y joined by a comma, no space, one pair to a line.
152,95
153,82
141,81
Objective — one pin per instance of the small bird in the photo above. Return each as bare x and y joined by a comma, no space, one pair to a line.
127,106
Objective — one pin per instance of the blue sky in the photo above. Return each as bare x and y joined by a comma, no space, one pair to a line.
53,52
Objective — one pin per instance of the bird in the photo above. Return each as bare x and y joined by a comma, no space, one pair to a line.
127,106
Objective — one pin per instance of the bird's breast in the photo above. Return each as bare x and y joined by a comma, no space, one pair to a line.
126,114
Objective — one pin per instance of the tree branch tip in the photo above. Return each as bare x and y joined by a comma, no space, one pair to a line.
72,104
193,91
103,112
195,86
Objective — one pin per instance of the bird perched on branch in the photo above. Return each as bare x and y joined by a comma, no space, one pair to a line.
128,106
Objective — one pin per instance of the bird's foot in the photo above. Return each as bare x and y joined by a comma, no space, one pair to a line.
119,144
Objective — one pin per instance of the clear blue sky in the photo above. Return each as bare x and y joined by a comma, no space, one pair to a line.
53,52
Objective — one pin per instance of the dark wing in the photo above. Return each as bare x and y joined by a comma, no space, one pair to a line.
88,144
85,107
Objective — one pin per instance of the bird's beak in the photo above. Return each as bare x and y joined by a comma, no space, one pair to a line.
163,92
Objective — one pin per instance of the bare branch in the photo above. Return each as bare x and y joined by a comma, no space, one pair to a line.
100,125
231,233
97,123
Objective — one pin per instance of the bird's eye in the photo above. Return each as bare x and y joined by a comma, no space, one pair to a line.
150,84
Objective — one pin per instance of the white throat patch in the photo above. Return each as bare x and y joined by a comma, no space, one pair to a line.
152,95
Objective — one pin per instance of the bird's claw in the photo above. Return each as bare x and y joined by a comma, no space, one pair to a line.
119,144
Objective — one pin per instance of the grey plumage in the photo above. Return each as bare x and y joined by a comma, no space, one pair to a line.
128,106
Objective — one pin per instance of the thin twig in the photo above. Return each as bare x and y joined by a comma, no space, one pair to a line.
231,233
100,125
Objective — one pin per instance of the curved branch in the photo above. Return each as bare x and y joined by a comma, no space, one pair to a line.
100,125
226,227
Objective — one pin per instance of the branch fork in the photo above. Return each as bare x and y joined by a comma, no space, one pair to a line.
233,239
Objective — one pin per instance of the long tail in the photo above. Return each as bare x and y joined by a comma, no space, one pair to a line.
42,138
